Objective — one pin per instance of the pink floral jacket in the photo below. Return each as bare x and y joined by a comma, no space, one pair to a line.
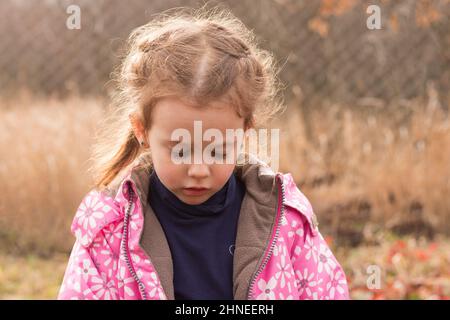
279,251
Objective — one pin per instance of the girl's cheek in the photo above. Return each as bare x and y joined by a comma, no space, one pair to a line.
170,174
222,172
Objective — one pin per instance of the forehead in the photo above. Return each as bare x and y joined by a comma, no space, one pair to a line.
171,113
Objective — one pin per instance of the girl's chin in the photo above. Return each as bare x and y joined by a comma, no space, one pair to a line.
193,200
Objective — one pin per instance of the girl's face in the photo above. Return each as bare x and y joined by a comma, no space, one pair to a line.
196,181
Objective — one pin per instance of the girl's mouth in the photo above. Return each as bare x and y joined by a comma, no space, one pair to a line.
195,191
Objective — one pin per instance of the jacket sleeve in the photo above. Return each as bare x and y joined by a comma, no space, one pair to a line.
81,273
90,272
318,274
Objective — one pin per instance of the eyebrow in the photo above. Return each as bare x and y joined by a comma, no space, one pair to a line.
171,142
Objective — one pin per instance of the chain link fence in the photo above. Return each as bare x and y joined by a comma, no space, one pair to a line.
325,47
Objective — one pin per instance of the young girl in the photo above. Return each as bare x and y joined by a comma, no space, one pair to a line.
154,228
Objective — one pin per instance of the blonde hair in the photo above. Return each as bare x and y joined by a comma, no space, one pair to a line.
198,55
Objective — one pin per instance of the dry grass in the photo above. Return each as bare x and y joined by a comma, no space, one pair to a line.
45,145
389,167
30,276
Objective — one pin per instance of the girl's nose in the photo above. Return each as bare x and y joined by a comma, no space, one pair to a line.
198,171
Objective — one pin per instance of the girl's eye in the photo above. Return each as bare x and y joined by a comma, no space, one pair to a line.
178,154
183,153
219,154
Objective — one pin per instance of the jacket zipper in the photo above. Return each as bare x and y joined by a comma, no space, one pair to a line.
149,259
272,244
124,246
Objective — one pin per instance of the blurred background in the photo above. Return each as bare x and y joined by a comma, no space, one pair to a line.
366,133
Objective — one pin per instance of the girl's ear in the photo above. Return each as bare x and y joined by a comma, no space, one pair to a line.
247,127
137,126
249,124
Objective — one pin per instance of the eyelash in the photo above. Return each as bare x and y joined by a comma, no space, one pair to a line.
180,153
220,153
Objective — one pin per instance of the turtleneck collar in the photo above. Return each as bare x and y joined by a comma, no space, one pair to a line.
216,204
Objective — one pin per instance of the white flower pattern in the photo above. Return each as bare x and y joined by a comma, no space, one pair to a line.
103,288
306,282
311,249
267,289
325,258
90,211
337,283
284,271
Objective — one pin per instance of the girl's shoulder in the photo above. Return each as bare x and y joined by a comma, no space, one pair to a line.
97,209
102,207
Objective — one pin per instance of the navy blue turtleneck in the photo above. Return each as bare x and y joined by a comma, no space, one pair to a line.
201,238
